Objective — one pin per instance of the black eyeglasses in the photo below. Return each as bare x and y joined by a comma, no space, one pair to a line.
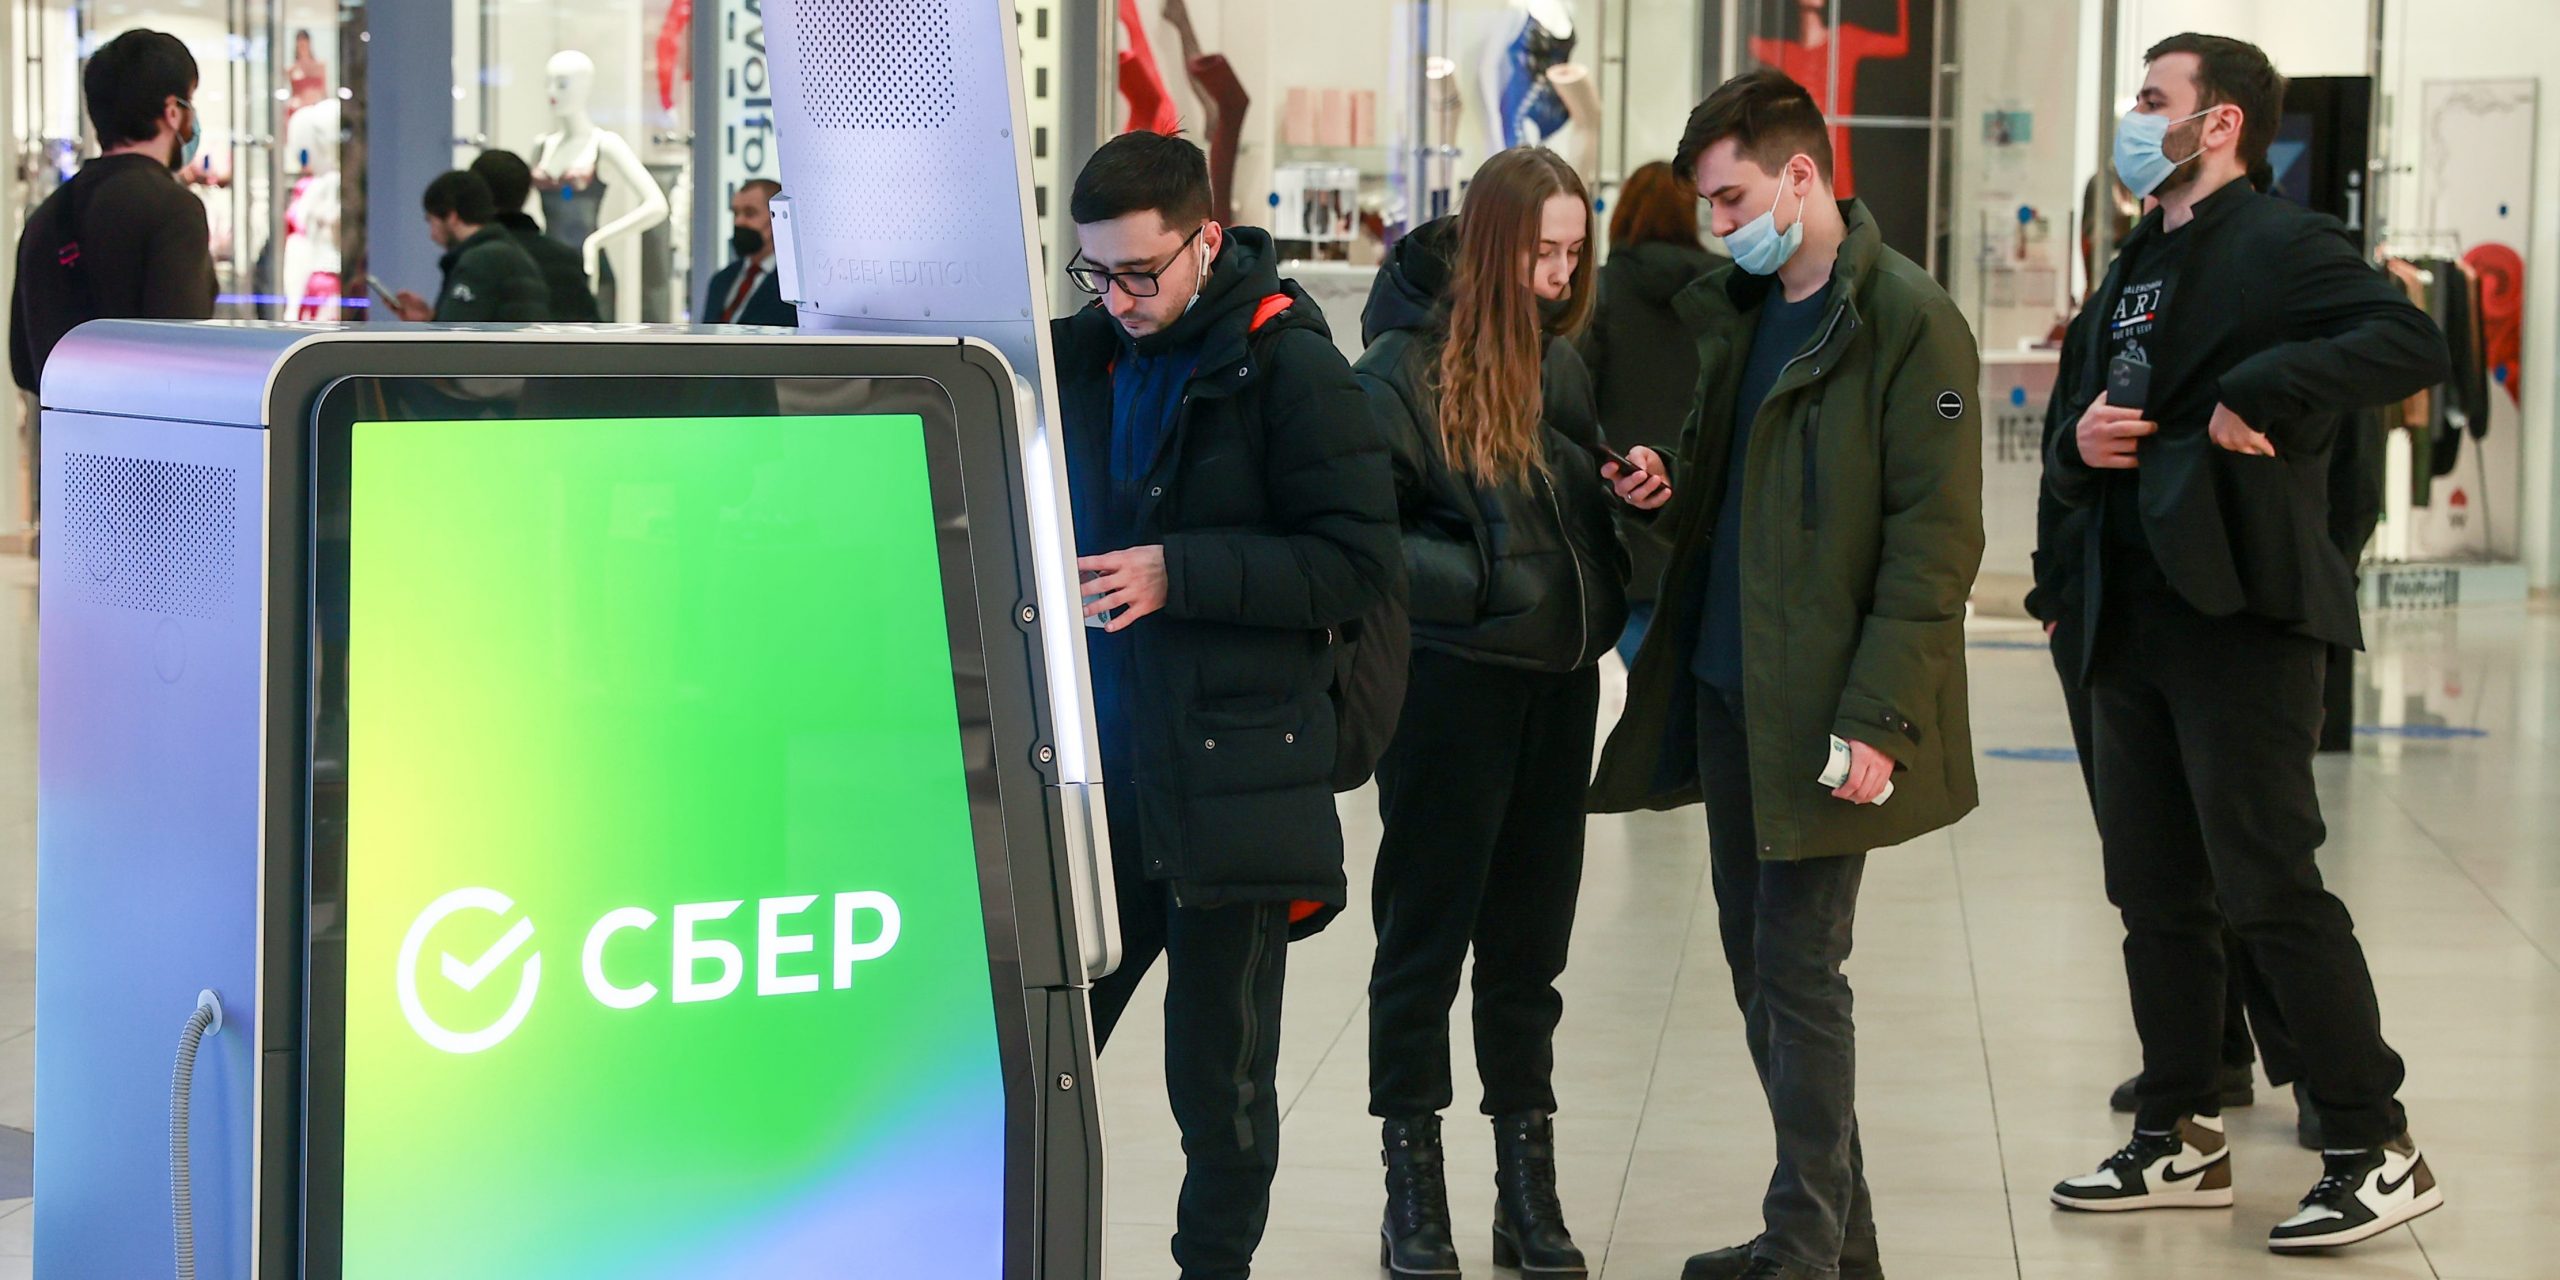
1137,284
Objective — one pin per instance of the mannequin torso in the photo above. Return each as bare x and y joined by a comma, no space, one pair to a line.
577,164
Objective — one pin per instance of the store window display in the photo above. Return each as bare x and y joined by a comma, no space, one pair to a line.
577,165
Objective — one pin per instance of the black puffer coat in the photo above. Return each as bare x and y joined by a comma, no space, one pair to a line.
1531,576
1275,507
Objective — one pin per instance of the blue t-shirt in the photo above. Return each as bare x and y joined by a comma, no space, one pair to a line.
1783,331
1146,401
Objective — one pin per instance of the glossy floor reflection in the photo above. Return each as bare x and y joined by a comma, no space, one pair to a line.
1992,1016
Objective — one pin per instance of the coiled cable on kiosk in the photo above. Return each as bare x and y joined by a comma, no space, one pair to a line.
205,1021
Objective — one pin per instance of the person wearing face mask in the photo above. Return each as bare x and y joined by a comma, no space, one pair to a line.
1805,675
748,291
2216,366
488,277
122,239
1518,577
1235,511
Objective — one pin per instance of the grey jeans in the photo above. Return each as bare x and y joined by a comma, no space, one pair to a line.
1786,928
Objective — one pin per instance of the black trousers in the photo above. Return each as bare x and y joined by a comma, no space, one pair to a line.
1787,929
2247,1006
1224,968
2205,730
1481,794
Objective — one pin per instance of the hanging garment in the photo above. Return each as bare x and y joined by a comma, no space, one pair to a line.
1141,83
1222,95
1809,63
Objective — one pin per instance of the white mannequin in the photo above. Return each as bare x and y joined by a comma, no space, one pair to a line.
311,247
577,154
1554,18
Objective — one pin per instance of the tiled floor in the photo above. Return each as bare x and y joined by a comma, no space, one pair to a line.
1991,998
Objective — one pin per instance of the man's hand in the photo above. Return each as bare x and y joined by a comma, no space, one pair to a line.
2238,436
1643,488
1130,581
1869,771
413,308
2109,433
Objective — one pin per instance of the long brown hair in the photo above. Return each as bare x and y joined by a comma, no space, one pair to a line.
1488,382
1654,205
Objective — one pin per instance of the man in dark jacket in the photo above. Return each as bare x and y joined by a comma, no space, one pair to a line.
122,239
564,269
2252,1027
1233,497
2233,335
488,277
748,290
1825,535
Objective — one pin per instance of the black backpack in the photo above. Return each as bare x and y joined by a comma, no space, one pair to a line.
1372,659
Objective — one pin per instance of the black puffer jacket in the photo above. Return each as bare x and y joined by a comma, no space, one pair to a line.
1274,504
1513,575
1644,362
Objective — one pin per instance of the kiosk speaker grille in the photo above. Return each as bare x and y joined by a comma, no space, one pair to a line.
151,535
879,64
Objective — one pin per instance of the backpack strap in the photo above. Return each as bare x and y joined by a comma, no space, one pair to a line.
1270,310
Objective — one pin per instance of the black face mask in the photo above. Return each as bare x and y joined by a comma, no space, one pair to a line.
746,242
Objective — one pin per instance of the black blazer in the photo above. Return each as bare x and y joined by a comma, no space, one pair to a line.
2282,313
764,306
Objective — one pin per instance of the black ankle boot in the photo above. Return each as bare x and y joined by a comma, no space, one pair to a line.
1528,1222
1415,1239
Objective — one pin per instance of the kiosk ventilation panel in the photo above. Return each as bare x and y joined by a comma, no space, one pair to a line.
150,535
878,64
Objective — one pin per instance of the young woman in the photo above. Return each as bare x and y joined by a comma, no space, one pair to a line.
1644,362
1504,486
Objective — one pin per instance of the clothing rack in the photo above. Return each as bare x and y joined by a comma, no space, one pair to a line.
2416,247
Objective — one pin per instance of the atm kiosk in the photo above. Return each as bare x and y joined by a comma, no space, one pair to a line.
628,794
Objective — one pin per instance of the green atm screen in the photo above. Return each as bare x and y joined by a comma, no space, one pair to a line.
665,954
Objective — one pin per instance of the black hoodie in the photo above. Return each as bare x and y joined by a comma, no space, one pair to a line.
1644,363
1273,500
1513,575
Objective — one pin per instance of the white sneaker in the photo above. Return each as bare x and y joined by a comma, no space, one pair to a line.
2189,1169
2364,1194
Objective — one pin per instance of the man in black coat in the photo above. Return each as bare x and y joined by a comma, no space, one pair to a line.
488,277
564,268
1233,496
2234,336
748,290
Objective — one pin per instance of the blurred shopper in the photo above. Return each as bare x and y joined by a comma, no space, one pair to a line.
1233,500
488,277
2231,338
747,291
564,270
122,239
1644,364
1518,580
1832,470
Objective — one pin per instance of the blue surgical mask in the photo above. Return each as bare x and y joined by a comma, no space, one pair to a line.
195,137
2142,159
1759,247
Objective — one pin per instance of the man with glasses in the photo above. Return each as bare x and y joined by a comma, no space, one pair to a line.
1236,505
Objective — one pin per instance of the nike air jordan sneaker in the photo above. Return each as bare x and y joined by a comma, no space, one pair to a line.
2362,1194
2187,1169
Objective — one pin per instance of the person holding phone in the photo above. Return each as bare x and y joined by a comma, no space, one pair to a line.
1518,575
1806,677
1234,511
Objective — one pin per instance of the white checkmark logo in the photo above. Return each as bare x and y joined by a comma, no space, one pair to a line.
469,977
